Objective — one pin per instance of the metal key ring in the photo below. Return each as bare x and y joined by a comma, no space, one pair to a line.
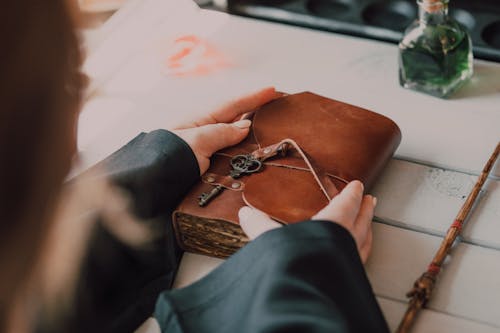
246,163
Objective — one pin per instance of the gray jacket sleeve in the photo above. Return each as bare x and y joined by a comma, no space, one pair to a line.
305,277
118,285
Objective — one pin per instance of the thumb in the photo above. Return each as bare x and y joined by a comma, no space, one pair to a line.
222,135
254,222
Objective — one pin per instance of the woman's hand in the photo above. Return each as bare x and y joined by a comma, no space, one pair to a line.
222,128
349,208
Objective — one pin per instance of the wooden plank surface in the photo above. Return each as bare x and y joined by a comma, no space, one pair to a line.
468,287
430,321
426,199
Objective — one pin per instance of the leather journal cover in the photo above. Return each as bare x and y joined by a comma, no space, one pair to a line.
301,151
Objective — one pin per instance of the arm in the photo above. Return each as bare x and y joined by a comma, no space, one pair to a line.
119,283
333,270
156,169
306,277
320,284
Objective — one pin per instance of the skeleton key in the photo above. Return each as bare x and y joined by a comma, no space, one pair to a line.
241,165
205,197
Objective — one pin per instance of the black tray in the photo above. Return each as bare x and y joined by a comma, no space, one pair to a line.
382,20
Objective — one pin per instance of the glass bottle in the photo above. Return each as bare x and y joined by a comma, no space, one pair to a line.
435,54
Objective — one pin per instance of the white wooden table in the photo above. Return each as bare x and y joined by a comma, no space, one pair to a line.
445,142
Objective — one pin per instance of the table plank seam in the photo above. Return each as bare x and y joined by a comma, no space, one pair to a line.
442,167
389,298
430,232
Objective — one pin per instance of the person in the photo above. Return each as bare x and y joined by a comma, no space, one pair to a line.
63,275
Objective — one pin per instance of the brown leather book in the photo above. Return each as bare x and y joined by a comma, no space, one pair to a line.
301,151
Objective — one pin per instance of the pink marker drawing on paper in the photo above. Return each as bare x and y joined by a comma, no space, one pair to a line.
193,56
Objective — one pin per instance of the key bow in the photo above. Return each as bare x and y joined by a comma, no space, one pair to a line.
244,164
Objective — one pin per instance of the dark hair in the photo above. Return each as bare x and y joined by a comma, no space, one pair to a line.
39,98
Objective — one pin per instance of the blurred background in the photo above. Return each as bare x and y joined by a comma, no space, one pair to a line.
383,20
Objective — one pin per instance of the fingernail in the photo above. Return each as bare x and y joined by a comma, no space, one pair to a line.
244,212
374,201
358,184
244,123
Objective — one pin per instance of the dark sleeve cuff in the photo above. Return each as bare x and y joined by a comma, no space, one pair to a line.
157,168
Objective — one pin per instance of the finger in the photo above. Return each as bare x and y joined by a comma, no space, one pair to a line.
235,109
363,225
344,208
248,115
254,222
215,137
365,214
206,140
366,247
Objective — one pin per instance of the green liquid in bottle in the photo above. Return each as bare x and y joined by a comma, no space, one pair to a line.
435,58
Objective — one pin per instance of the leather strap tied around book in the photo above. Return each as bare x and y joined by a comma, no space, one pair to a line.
327,143
279,149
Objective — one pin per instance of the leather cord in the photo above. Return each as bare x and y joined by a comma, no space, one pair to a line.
325,183
262,154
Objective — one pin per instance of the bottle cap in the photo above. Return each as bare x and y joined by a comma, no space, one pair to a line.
432,6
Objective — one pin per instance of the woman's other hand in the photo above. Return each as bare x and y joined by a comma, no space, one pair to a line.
223,127
350,208
354,211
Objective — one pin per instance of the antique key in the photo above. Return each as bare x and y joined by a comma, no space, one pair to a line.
241,165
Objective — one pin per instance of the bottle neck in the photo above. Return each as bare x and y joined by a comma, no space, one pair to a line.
432,11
